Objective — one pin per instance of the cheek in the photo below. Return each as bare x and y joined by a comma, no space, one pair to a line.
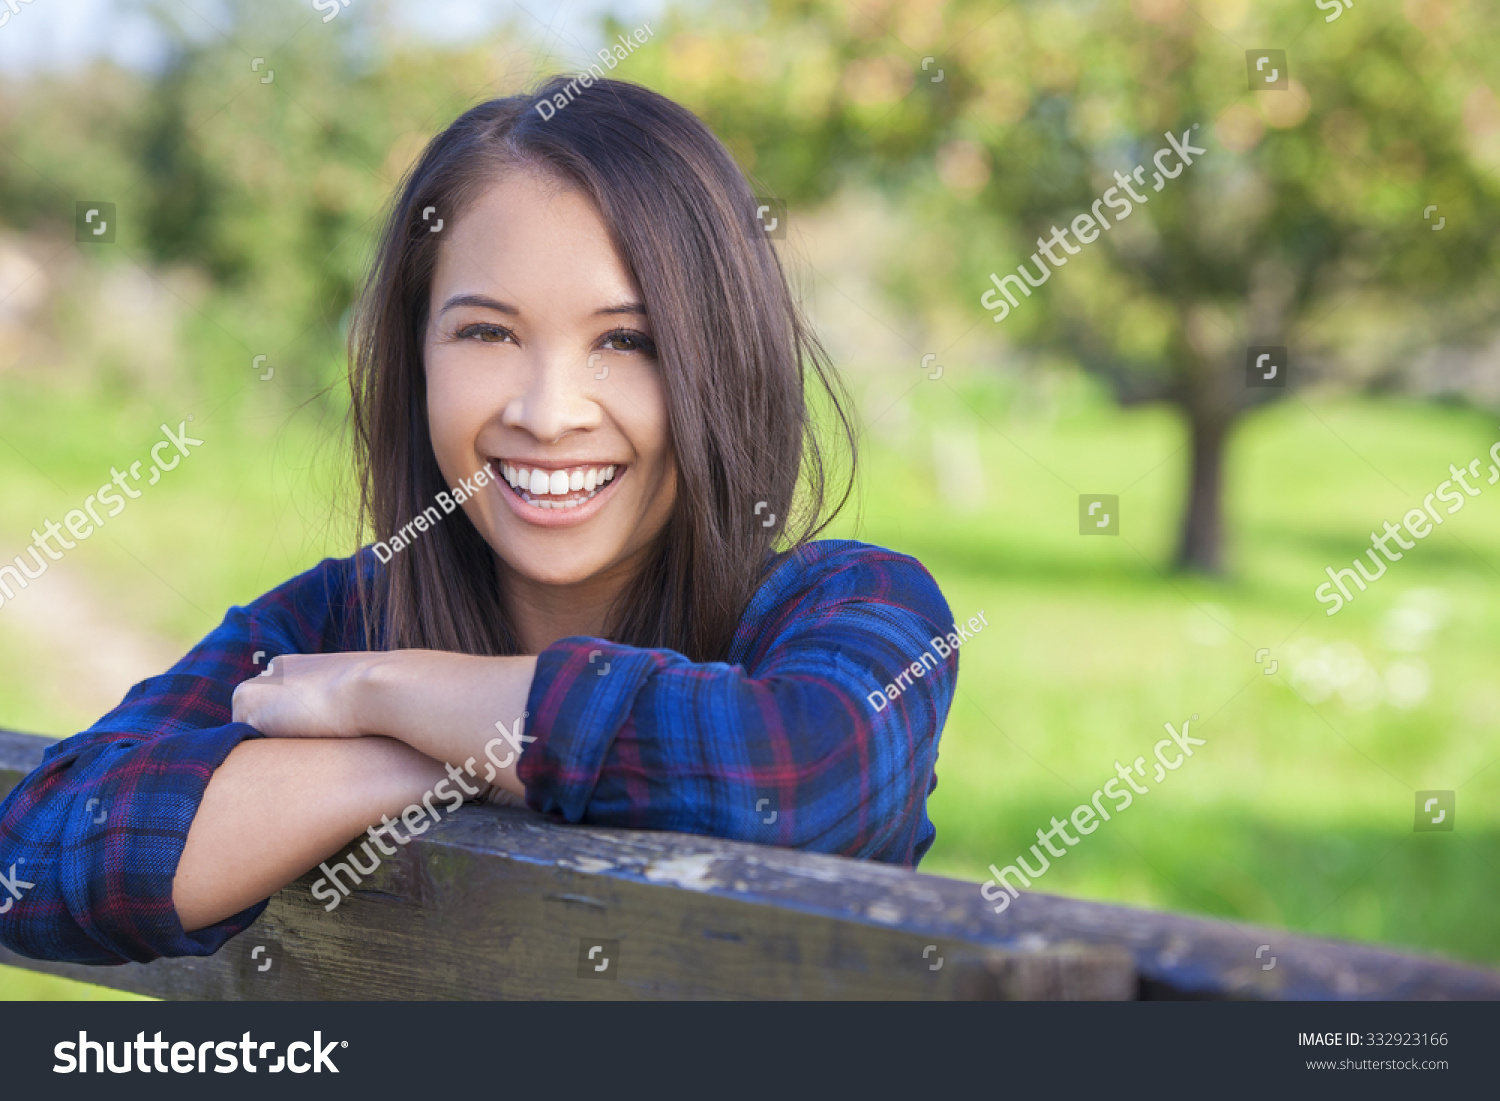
453,417
648,426
660,488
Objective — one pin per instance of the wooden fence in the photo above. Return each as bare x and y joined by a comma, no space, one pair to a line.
500,903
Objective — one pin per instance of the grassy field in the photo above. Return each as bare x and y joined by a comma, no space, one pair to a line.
1297,812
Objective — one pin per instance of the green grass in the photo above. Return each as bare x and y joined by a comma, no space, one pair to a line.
18,985
1294,814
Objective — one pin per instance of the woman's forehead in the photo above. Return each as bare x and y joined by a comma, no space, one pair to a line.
532,243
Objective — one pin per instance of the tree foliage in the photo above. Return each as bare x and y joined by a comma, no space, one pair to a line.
1302,227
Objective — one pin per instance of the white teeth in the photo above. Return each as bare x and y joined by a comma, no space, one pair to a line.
557,483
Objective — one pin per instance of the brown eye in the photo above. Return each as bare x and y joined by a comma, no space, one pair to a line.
629,340
487,333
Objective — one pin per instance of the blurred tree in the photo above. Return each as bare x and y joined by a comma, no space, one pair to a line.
261,153
1302,226
267,156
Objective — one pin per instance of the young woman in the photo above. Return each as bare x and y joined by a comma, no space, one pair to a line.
582,420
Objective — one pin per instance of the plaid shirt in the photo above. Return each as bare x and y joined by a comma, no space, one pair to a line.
787,743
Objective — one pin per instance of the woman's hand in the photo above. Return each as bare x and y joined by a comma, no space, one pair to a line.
452,707
306,696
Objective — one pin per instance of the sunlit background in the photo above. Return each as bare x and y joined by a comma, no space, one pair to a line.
1348,214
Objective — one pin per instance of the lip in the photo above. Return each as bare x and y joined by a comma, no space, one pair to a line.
552,464
555,518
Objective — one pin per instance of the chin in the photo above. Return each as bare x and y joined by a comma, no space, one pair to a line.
555,566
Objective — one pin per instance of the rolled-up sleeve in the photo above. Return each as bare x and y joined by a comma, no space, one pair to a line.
94,834
795,741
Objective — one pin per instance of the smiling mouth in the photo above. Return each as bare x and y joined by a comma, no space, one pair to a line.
564,488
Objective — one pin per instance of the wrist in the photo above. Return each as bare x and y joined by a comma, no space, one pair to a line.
374,694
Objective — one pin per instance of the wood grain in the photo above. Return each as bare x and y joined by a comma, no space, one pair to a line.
499,903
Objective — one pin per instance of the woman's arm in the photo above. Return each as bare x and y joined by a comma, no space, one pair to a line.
448,707
820,731
350,738
794,744
99,831
452,707
276,807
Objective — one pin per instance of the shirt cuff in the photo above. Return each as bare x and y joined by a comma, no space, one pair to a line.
120,889
581,695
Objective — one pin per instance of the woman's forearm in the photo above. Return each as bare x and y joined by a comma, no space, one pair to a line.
277,806
450,706
447,706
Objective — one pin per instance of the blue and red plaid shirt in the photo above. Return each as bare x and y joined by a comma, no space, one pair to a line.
790,742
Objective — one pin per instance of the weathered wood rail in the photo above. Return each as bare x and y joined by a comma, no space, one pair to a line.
499,903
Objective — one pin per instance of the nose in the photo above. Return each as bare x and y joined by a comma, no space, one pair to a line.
554,401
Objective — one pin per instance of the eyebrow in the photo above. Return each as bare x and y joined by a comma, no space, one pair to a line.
485,302
482,301
622,308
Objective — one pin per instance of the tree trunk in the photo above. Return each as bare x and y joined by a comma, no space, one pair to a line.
1201,546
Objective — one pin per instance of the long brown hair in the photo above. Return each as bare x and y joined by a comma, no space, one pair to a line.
737,360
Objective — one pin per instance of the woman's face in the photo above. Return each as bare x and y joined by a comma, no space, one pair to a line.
541,366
